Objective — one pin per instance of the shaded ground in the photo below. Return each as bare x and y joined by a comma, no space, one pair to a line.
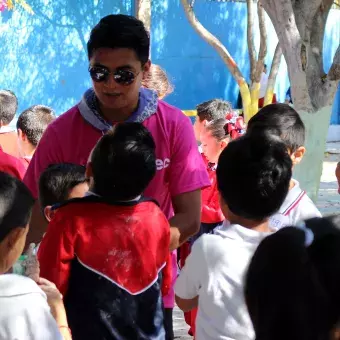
328,203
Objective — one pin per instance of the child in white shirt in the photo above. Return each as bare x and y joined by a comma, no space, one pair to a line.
253,176
283,121
28,310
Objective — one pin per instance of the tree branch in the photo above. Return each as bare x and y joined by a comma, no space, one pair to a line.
250,40
144,12
213,41
334,72
263,42
273,74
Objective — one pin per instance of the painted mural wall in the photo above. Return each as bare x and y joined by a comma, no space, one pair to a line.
43,57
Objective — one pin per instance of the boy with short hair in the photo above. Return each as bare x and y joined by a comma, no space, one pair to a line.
106,252
283,121
31,125
209,111
8,109
59,183
24,312
251,190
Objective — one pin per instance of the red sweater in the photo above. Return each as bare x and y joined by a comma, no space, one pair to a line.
11,165
211,211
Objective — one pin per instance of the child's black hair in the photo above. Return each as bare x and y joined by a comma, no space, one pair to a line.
280,120
123,162
292,286
56,182
213,109
34,121
16,204
8,106
253,176
120,31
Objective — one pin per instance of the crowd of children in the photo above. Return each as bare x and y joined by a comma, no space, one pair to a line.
118,184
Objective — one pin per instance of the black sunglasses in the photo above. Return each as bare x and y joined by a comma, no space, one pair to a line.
122,77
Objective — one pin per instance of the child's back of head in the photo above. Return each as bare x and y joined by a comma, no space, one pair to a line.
156,79
33,122
253,176
16,204
292,285
8,106
60,182
123,162
280,120
210,111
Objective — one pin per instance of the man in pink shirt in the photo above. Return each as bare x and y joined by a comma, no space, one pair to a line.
118,51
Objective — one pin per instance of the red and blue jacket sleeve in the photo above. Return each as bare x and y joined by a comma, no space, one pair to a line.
56,250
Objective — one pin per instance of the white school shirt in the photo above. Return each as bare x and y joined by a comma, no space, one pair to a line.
24,312
296,208
215,271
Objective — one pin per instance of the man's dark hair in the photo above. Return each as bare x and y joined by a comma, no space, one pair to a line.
16,204
34,121
8,106
280,120
253,176
56,182
120,31
213,109
123,162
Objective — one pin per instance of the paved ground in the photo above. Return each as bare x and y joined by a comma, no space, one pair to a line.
328,203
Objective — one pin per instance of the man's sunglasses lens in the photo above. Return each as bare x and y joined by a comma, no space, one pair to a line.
122,77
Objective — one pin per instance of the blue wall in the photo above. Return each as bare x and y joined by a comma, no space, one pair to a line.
43,57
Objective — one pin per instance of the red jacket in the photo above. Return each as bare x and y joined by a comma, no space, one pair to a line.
211,211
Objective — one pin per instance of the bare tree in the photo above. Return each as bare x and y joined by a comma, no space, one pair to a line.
143,12
250,96
300,27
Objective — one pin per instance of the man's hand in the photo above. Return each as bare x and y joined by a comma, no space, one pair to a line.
186,222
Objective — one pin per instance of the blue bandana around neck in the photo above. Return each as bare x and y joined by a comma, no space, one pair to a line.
88,108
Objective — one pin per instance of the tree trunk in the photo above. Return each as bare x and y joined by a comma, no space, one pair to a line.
300,28
143,12
224,54
309,172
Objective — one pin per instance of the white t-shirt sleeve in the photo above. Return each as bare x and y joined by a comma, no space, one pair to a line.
27,316
191,277
305,210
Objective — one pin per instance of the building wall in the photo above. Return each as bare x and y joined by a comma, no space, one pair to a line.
43,56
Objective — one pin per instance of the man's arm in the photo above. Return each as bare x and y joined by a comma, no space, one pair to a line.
186,222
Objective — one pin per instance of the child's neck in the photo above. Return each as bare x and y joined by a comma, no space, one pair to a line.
261,226
291,184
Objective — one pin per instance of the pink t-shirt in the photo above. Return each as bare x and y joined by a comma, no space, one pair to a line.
180,169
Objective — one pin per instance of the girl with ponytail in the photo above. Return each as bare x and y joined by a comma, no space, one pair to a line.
292,286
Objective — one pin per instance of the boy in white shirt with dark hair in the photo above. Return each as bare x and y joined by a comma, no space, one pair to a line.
283,121
253,176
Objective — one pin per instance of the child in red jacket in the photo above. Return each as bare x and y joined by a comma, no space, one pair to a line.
214,137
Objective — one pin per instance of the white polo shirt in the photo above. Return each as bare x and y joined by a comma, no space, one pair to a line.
215,272
24,312
297,207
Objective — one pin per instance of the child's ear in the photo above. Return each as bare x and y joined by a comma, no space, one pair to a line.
15,235
21,135
49,213
89,171
298,155
224,143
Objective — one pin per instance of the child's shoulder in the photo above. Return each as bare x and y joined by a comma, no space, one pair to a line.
15,285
